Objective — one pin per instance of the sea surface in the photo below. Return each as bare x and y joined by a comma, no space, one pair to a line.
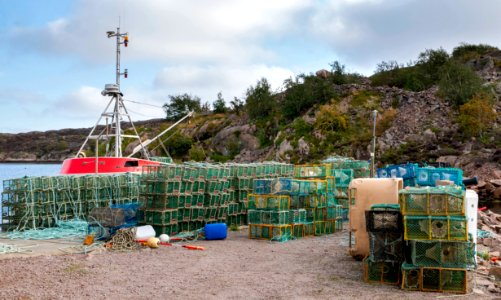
17,170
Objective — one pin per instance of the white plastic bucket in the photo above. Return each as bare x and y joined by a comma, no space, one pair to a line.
144,232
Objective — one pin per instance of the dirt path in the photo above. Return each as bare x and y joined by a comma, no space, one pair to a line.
309,268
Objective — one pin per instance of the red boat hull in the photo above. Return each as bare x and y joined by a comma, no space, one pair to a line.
104,165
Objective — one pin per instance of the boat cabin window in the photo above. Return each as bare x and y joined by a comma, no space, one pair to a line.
131,163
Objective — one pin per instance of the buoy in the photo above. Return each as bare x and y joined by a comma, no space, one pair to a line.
152,242
164,238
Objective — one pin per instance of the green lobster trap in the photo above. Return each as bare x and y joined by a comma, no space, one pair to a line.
448,280
197,214
386,272
184,215
312,171
343,177
270,232
303,229
444,200
442,254
450,228
161,217
278,202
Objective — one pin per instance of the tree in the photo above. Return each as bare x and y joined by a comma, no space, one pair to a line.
237,105
260,102
477,115
219,105
180,105
458,83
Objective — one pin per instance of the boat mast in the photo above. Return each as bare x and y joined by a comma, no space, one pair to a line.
114,129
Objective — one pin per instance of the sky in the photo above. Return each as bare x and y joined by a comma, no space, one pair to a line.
55,57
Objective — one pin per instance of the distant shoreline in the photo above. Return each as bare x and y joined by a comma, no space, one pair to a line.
41,162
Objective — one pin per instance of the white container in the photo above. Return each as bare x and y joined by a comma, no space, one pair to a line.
144,232
471,200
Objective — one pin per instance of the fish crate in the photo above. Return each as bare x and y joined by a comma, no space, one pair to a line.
445,228
161,217
343,177
170,230
386,246
197,214
270,232
443,200
405,171
429,176
277,202
312,171
303,230
383,220
386,272
441,254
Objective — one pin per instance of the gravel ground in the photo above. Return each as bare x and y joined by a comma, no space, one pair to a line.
236,268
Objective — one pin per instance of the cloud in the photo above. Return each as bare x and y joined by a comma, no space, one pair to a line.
189,31
206,82
366,32
84,103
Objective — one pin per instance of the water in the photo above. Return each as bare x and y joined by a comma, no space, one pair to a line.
18,170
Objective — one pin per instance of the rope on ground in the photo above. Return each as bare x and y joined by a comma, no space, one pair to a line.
124,240
7,248
83,249
190,235
65,229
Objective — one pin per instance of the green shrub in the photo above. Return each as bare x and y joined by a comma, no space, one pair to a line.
466,52
458,83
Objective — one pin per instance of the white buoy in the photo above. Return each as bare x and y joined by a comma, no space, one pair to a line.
164,238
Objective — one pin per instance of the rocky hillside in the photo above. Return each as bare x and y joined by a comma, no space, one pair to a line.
424,122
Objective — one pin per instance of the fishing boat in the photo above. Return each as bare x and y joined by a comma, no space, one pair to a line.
111,132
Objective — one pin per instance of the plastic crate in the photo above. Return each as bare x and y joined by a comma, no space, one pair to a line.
428,176
441,254
405,171
387,272
443,200
450,228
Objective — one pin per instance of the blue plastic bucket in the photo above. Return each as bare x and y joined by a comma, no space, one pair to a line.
215,231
